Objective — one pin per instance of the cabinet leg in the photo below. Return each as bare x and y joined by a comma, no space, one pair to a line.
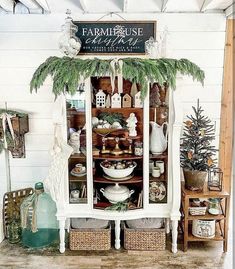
62,235
174,235
167,223
117,233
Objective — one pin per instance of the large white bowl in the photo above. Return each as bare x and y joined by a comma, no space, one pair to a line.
118,173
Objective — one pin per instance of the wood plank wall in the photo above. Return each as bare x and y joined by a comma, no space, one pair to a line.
227,108
27,40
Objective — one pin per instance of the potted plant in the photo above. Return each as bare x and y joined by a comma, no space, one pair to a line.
197,153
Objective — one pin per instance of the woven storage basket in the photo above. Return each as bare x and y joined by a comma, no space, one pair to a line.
144,239
197,211
90,239
11,204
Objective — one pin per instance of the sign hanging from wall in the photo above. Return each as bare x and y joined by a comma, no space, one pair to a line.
120,37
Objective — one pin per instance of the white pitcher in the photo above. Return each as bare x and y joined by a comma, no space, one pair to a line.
158,140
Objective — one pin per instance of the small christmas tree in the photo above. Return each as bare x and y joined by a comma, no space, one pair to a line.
197,153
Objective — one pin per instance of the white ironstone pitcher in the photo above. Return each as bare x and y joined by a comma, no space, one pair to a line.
158,140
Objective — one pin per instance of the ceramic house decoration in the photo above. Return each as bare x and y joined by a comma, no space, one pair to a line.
100,99
126,100
137,100
116,101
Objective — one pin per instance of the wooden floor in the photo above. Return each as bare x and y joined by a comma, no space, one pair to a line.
201,255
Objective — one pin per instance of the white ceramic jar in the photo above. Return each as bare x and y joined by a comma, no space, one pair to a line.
116,193
203,228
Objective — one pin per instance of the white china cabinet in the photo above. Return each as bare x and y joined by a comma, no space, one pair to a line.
153,197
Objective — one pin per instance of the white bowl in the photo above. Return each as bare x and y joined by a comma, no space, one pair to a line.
118,173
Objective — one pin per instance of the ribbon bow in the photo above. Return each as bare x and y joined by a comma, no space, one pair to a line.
116,66
6,118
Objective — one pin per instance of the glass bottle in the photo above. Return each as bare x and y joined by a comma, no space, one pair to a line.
38,219
138,148
14,231
214,206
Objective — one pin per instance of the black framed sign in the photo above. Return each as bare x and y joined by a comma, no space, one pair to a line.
115,37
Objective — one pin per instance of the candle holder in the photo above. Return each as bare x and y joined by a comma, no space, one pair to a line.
215,178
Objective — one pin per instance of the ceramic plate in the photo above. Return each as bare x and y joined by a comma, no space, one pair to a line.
83,173
157,191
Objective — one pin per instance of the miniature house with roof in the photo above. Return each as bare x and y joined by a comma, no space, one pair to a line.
126,100
137,100
100,99
116,101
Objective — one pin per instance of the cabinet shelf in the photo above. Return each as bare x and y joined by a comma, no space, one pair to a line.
78,156
134,179
206,216
104,109
120,157
218,235
158,156
103,205
154,179
77,179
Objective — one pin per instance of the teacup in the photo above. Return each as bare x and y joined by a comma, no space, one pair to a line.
79,168
156,172
160,164
75,194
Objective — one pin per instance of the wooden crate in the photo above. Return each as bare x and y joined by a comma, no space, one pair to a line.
12,201
144,239
90,239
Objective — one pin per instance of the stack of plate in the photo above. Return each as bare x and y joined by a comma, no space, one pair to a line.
78,174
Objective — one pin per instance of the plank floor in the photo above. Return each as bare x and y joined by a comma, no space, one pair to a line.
203,255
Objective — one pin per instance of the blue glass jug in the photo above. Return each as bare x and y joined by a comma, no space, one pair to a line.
38,219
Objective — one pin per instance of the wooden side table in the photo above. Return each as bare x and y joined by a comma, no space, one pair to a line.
221,220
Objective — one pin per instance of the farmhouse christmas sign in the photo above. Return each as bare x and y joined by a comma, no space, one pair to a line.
115,37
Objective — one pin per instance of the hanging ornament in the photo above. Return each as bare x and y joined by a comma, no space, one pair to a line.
189,123
116,67
209,161
69,43
202,132
190,155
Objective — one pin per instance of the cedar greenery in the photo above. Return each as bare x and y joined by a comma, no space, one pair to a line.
112,117
9,139
119,206
197,153
67,72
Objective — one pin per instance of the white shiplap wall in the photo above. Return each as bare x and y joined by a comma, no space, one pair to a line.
27,40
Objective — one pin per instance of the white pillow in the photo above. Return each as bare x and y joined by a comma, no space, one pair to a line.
88,223
145,223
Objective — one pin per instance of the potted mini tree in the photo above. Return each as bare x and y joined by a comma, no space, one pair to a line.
197,153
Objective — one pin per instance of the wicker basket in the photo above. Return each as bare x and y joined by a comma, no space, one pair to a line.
144,239
197,211
90,239
11,204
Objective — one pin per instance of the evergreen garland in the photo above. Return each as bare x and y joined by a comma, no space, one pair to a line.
197,153
66,72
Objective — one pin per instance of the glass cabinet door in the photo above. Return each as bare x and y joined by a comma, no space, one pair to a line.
158,155
76,134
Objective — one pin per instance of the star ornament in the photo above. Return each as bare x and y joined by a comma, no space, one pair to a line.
209,161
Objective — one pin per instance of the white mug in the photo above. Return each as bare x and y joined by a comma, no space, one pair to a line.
151,165
156,172
160,164
75,194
